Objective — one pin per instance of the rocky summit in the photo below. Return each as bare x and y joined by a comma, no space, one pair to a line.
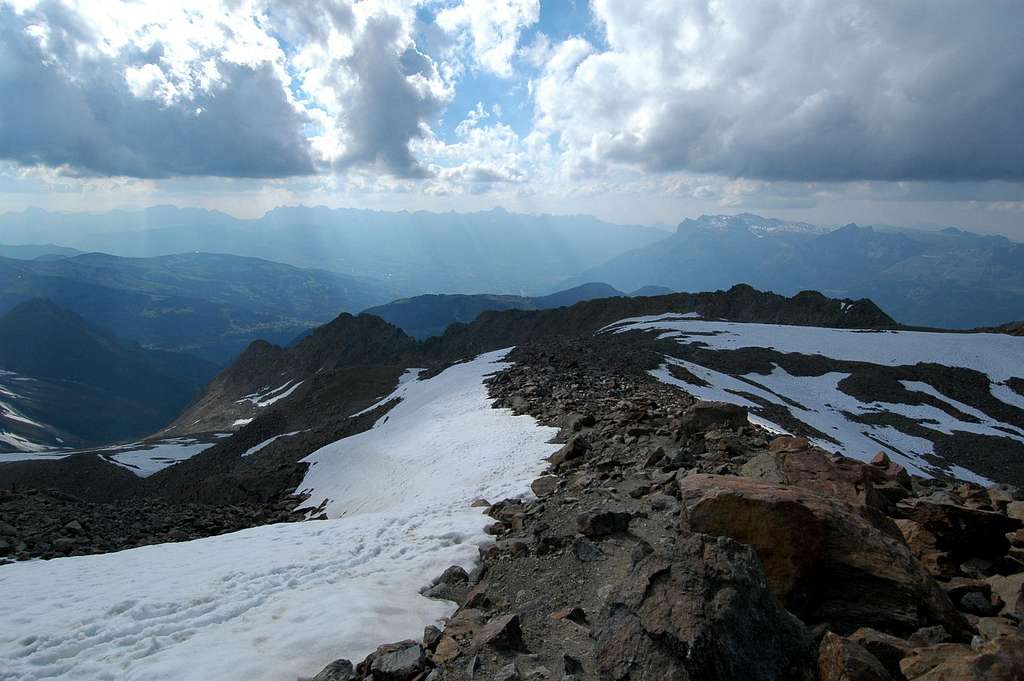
672,539
661,535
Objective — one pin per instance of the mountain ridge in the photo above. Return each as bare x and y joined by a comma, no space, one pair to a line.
946,279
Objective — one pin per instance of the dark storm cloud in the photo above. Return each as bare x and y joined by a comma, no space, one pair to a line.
813,90
60,109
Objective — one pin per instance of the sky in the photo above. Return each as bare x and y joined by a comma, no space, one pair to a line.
871,111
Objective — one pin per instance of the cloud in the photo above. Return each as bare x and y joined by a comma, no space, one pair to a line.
795,90
386,105
67,103
258,89
491,29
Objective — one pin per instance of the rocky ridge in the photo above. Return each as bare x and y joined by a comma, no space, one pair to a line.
673,539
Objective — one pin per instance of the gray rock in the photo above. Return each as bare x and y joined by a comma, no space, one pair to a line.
402,664
603,522
586,551
339,670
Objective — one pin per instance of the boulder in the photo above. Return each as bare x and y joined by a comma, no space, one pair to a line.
701,609
792,461
959,531
398,662
576,448
603,522
339,670
840,659
1010,589
545,486
502,633
704,416
998,660
925,547
827,560
922,660
887,649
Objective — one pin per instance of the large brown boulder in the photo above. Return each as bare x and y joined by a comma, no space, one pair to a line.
793,461
827,560
701,610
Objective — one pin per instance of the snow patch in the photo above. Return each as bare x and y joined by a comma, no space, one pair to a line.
995,354
256,448
281,601
817,400
150,458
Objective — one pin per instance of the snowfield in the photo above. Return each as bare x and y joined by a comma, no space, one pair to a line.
278,602
146,458
141,458
818,402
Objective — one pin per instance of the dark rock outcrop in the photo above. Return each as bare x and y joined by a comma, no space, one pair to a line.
701,611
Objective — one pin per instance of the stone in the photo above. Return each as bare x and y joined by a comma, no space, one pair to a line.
603,522
479,503
576,448
431,637
64,543
840,659
998,660
703,416
545,486
398,662
455,574
530,668
446,651
922,660
571,614
962,532
1010,589
586,551
507,673
1015,510
827,560
571,666
928,636
339,670
924,545
664,502
792,461
502,633
73,528
887,649
977,603
701,609
992,628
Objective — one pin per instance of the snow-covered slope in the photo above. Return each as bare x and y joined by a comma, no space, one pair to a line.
279,601
893,407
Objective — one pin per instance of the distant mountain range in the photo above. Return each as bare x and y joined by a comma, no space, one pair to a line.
411,253
429,315
948,278
65,383
37,252
209,305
